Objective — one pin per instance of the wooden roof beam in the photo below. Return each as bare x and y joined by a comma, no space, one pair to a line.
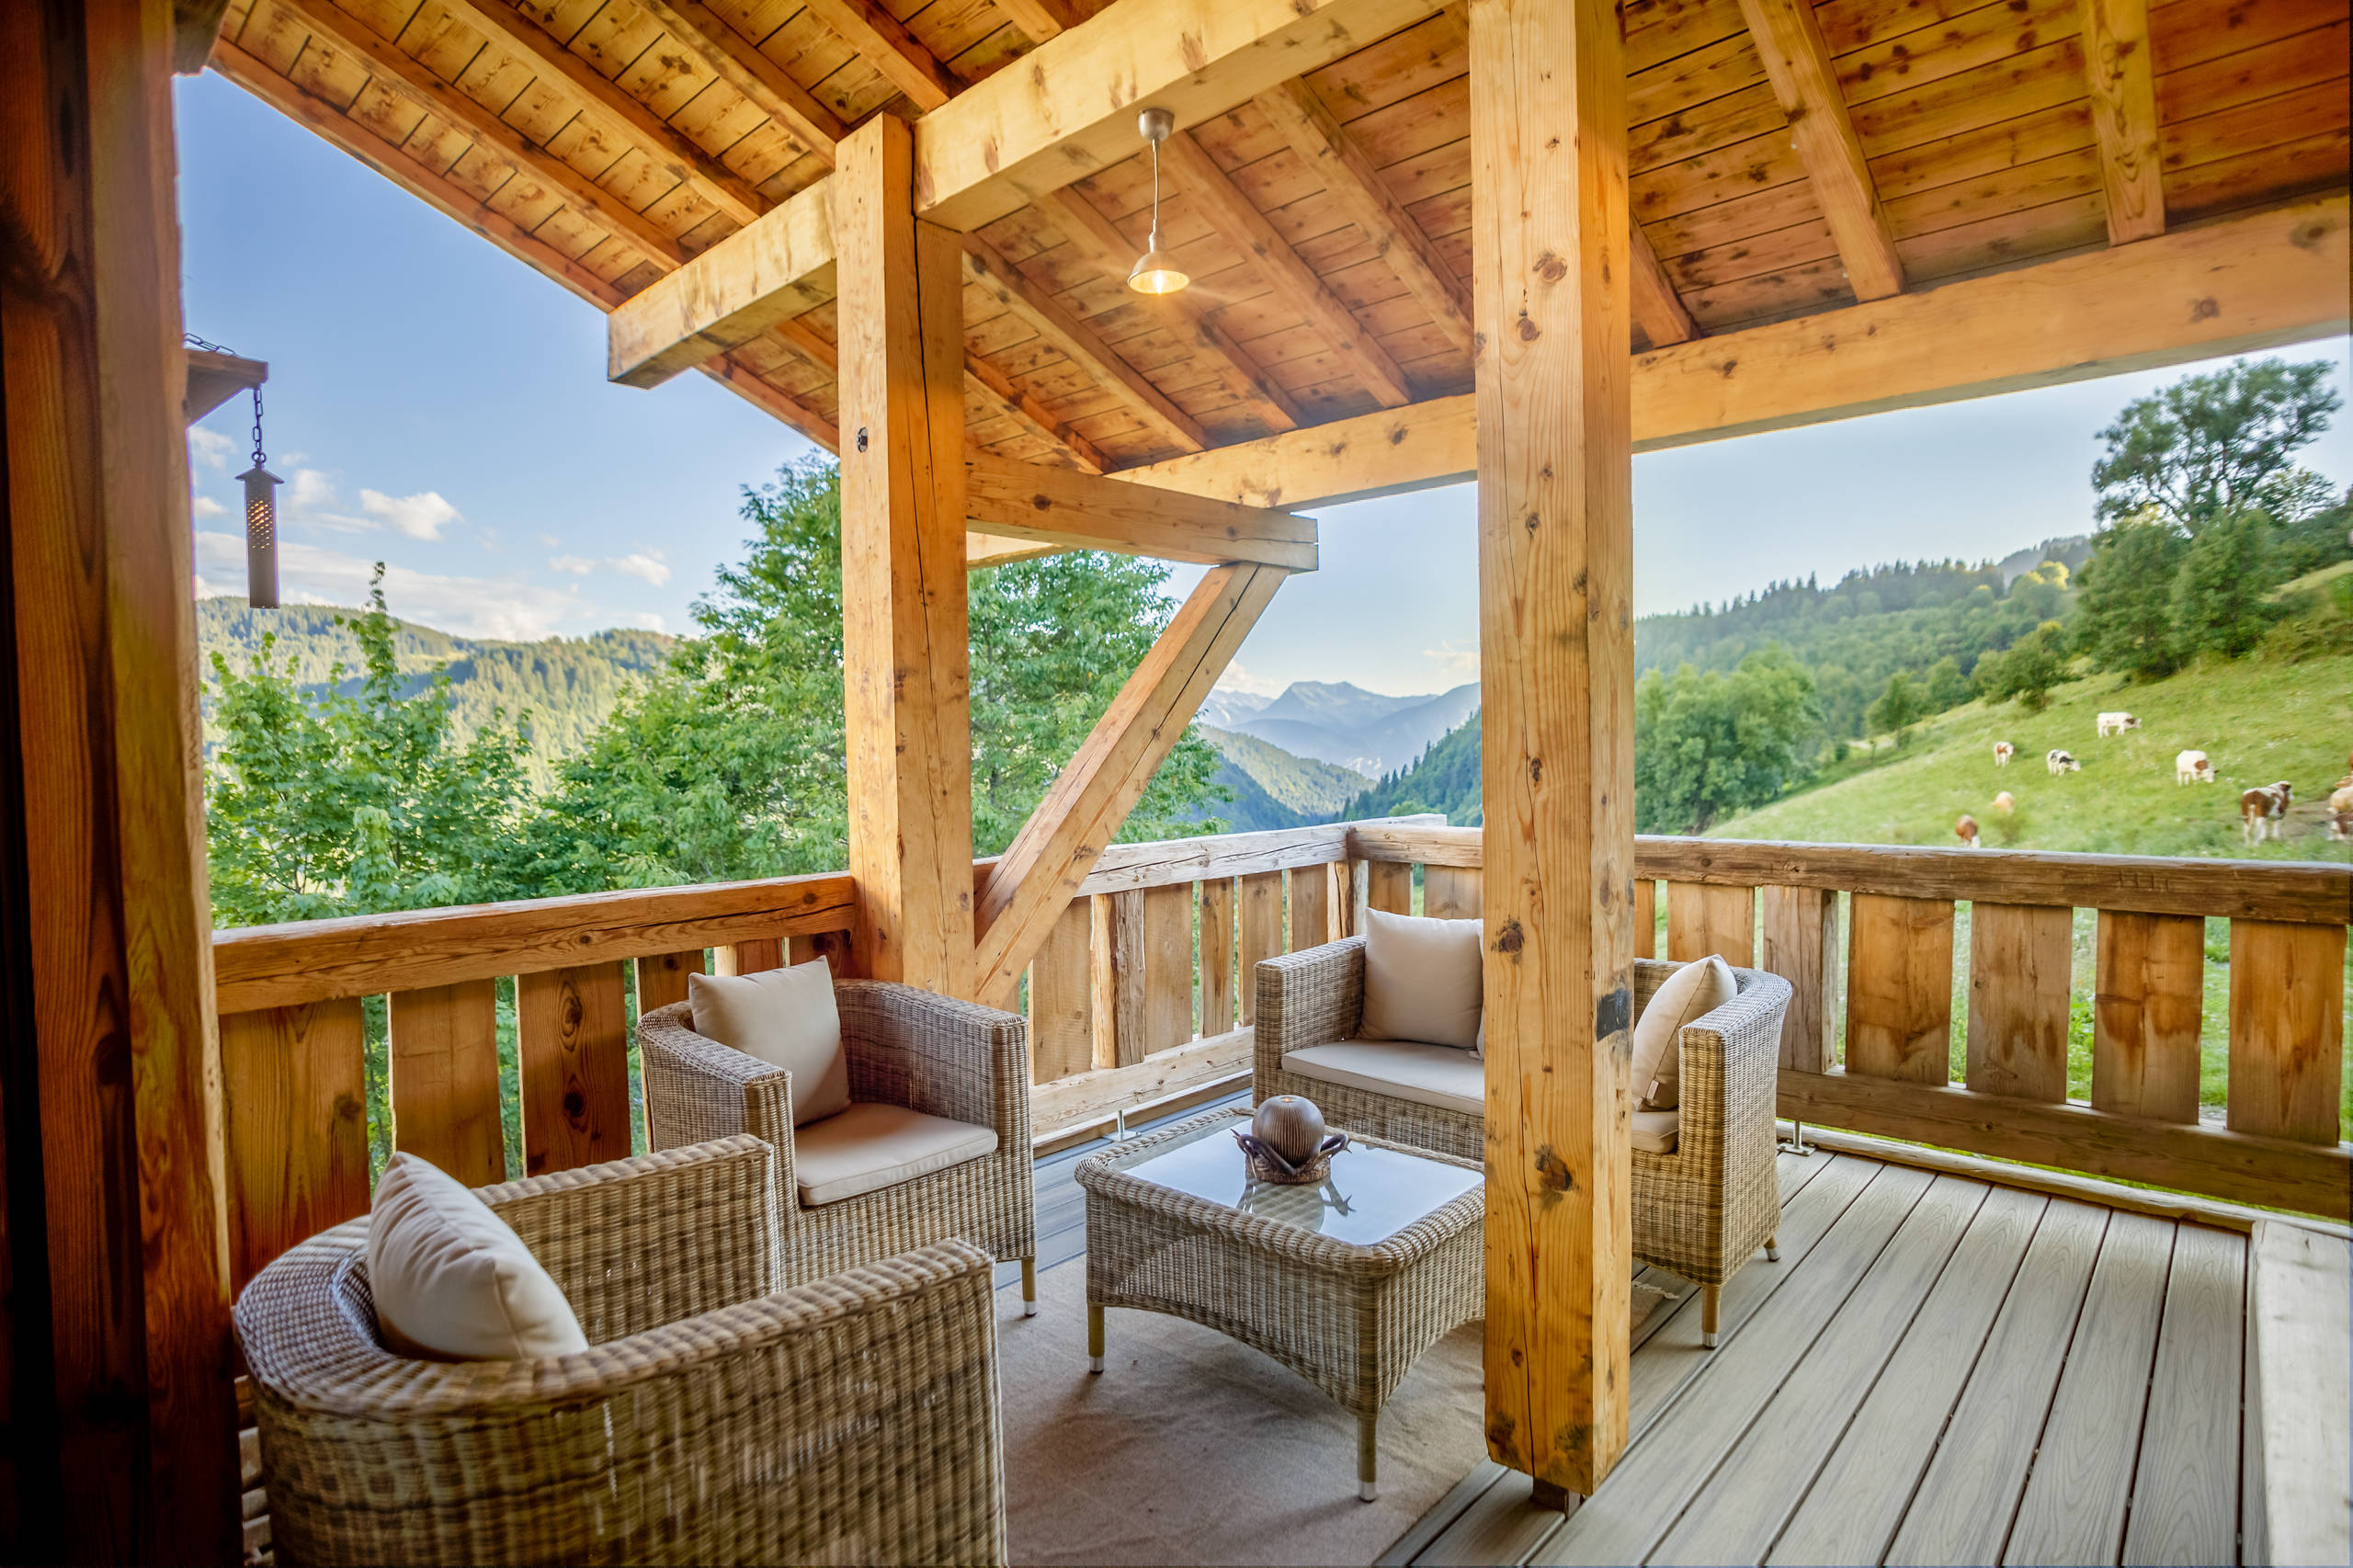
742,66
2235,286
1078,342
1797,61
1111,253
991,385
1239,222
1317,136
1078,511
1658,310
1001,144
2122,79
1040,19
877,35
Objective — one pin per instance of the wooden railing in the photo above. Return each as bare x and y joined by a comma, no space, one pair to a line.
1142,997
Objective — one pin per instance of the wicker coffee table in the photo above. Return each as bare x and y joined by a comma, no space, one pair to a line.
1345,1284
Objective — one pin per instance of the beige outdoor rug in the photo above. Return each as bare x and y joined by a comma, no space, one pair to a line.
1192,1448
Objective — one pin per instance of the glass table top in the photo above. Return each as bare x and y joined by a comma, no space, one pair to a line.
1370,1195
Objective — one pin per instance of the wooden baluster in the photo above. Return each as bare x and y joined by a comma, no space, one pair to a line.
295,1083
1311,910
662,978
1350,885
1169,967
2148,998
1061,997
831,946
752,957
1132,1024
1800,945
444,1064
1645,917
2287,1030
2020,957
1217,956
1899,988
1390,886
1261,925
1103,978
573,1041
1702,918
1449,892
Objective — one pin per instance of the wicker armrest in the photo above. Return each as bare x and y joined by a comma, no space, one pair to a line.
697,1089
712,1208
1306,998
1729,1072
932,1054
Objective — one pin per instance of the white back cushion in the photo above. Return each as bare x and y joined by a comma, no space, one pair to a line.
1687,995
1421,980
453,1281
785,1017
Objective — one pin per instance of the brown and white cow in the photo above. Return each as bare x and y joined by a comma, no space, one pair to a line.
2340,813
1966,831
2059,762
2115,724
2262,811
2192,767
2002,752
2005,803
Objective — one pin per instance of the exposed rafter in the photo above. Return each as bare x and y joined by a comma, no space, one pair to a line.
1078,342
743,67
1797,61
1317,136
1658,310
985,380
1238,221
1041,19
2122,79
905,62
1078,511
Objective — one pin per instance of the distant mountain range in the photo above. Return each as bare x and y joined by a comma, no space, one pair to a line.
1274,789
1346,725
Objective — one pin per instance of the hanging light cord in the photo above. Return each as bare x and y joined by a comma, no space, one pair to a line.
1155,195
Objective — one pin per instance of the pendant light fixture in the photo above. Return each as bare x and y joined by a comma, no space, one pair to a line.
261,523
1156,272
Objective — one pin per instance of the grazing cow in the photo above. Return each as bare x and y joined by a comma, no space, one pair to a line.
2262,811
2002,752
2059,762
2340,813
2116,724
1966,831
2004,803
2192,767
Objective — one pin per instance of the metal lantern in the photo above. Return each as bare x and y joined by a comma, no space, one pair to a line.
261,525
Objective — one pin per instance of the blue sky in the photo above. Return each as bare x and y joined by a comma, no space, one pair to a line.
438,406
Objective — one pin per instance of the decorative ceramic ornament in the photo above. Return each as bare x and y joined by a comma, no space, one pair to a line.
1288,1142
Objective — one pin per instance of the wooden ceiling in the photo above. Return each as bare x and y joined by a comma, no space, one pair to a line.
1784,160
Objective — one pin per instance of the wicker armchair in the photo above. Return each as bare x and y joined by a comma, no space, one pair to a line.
1702,1207
906,1048
714,1417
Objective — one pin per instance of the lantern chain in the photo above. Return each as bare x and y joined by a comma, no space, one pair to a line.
258,456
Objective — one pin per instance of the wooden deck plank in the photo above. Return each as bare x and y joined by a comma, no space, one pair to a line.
1735,1517
2073,1511
1621,1521
1859,1498
2185,1490
1969,1492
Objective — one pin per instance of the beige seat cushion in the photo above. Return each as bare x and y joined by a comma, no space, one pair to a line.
784,1017
1655,1131
453,1281
1421,980
1438,1076
869,1146
1687,995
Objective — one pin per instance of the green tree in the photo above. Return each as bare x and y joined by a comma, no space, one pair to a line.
1708,743
1900,707
1944,686
729,764
323,802
2222,593
2027,670
2124,612
2210,445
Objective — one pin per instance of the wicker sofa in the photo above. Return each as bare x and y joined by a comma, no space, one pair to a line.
905,1047
717,1416
1705,1195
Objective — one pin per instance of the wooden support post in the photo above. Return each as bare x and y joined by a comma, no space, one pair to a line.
1550,225
905,659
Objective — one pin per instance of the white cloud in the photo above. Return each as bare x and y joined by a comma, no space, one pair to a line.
210,447
1454,659
311,499
1236,679
206,506
209,588
422,515
647,566
646,621
550,541
470,606
578,565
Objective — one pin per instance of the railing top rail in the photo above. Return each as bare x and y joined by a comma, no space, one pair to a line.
1125,866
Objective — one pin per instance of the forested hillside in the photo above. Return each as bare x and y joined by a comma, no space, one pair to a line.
1443,778
1274,789
567,685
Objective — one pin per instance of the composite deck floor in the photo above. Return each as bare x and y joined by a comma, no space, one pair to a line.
1938,1370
